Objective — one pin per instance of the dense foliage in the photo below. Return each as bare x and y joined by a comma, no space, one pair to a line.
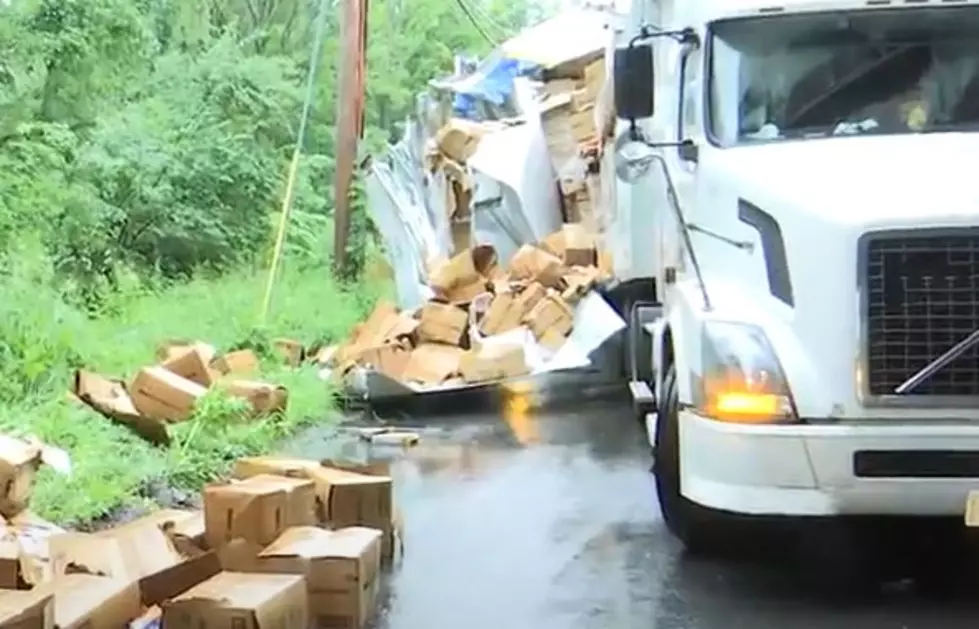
152,134
143,148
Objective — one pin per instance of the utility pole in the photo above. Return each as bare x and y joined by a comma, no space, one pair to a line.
350,121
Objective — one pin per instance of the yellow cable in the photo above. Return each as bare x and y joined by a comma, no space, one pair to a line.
280,236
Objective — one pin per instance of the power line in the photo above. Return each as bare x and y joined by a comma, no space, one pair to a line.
480,12
479,27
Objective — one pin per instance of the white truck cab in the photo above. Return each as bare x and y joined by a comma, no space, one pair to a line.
809,168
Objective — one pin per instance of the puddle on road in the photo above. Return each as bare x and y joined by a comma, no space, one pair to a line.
484,492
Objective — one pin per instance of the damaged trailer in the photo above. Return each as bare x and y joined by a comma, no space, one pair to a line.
499,224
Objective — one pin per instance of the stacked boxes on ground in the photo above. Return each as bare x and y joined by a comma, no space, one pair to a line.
290,543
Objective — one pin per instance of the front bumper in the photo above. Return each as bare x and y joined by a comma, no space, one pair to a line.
809,470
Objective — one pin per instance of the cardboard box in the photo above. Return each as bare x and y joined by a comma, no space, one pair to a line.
24,550
341,570
254,512
536,265
493,320
26,609
230,600
579,280
19,462
574,244
463,277
242,362
459,138
442,323
390,359
139,552
551,315
193,363
392,533
494,362
518,308
351,499
301,494
292,351
263,397
110,398
85,601
385,324
161,394
432,363
174,347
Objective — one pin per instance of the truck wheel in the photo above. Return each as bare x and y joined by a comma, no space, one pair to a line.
689,522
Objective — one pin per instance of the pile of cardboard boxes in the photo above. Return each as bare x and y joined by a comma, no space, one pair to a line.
452,147
168,392
443,342
288,543
569,121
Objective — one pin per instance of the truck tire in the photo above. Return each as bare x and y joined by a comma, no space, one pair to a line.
693,525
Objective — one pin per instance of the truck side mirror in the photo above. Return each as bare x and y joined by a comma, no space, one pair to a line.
633,82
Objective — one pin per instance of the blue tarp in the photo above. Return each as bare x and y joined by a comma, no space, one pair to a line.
493,83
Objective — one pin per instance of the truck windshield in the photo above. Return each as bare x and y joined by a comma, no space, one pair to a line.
820,74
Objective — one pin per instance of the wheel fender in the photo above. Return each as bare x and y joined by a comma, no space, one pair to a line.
658,334
685,348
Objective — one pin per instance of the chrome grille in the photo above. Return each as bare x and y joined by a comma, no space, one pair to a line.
921,292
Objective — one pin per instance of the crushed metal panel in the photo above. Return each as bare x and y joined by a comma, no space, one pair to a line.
406,234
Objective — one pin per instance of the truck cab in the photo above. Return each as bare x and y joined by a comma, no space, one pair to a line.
806,167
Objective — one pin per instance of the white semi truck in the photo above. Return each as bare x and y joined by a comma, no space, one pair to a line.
803,171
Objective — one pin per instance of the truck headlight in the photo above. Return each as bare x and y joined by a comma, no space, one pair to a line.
742,380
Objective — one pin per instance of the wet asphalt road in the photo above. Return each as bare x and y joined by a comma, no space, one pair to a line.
546,518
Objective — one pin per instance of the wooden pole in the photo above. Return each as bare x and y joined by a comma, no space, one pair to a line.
350,122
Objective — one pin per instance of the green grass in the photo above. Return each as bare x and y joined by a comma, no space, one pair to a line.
42,340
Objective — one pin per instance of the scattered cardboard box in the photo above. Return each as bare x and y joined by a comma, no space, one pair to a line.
300,493
442,323
249,601
110,398
242,362
464,276
158,393
459,138
393,533
85,601
193,363
254,512
351,499
19,463
390,359
169,392
171,348
291,350
24,609
24,550
475,298
341,569
536,265
263,397
139,552
551,320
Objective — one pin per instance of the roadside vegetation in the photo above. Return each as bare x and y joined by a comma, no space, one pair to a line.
143,147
